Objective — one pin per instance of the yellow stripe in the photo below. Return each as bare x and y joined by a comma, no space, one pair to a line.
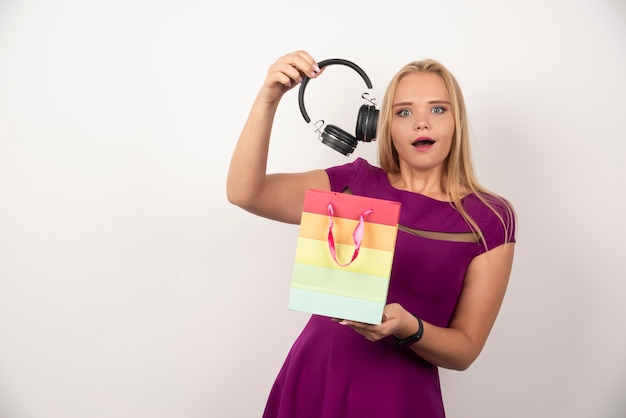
369,261
376,236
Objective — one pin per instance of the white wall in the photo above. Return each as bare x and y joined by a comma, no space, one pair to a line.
129,287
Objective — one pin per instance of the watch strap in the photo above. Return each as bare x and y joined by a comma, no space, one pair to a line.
411,339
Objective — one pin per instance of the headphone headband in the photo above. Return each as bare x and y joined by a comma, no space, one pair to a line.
325,63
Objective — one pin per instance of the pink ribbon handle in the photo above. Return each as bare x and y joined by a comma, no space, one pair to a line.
357,235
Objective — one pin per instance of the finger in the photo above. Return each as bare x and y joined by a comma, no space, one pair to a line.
284,74
303,62
359,326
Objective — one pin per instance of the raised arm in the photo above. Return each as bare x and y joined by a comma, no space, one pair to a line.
274,196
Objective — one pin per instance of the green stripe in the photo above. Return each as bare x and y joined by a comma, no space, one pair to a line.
340,282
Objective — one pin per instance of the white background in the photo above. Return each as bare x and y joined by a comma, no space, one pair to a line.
129,287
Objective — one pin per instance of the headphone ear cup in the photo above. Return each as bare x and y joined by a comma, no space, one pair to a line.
338,139
367,123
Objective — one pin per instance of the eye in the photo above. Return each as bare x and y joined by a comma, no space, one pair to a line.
438,110
403,112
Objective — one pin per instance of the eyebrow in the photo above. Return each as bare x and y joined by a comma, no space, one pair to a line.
430,102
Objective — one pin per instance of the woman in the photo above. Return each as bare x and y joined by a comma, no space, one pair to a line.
452,262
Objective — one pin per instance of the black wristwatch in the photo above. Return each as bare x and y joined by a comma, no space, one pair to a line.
412,339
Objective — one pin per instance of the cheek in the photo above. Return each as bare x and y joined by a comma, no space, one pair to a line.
393,132
398,128
448,130
394,142
448,144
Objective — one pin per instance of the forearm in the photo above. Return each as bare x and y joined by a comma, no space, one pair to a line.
447,347
247,171
455,347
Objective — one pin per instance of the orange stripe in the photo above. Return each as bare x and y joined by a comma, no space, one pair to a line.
375,236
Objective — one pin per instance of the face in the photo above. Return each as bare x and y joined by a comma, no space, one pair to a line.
422,125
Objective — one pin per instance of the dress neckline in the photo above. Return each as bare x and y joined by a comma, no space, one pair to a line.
421,195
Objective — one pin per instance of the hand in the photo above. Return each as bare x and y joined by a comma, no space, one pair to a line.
396,320
286,73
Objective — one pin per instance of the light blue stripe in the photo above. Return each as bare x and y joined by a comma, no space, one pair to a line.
336,306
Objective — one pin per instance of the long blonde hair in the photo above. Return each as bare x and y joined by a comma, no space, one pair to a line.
459,171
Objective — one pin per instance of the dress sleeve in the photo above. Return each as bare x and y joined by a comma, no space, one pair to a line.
495,230
341,176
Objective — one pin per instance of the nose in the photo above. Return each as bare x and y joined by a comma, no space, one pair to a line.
421,119
421,124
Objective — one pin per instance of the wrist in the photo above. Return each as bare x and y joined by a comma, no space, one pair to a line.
412,338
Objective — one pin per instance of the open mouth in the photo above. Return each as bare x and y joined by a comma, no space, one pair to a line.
423,142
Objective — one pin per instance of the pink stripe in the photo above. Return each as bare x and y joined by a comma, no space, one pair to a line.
386,212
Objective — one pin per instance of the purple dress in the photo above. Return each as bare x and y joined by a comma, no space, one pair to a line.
332,371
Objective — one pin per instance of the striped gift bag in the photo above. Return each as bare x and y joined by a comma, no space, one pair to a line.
344,255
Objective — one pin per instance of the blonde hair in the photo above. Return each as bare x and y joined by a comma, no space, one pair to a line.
459,171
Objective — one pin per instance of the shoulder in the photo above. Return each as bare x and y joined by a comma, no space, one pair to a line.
494,215
359,170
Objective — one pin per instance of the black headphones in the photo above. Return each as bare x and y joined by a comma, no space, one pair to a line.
366,123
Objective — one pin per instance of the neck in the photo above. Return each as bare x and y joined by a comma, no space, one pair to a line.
429,183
